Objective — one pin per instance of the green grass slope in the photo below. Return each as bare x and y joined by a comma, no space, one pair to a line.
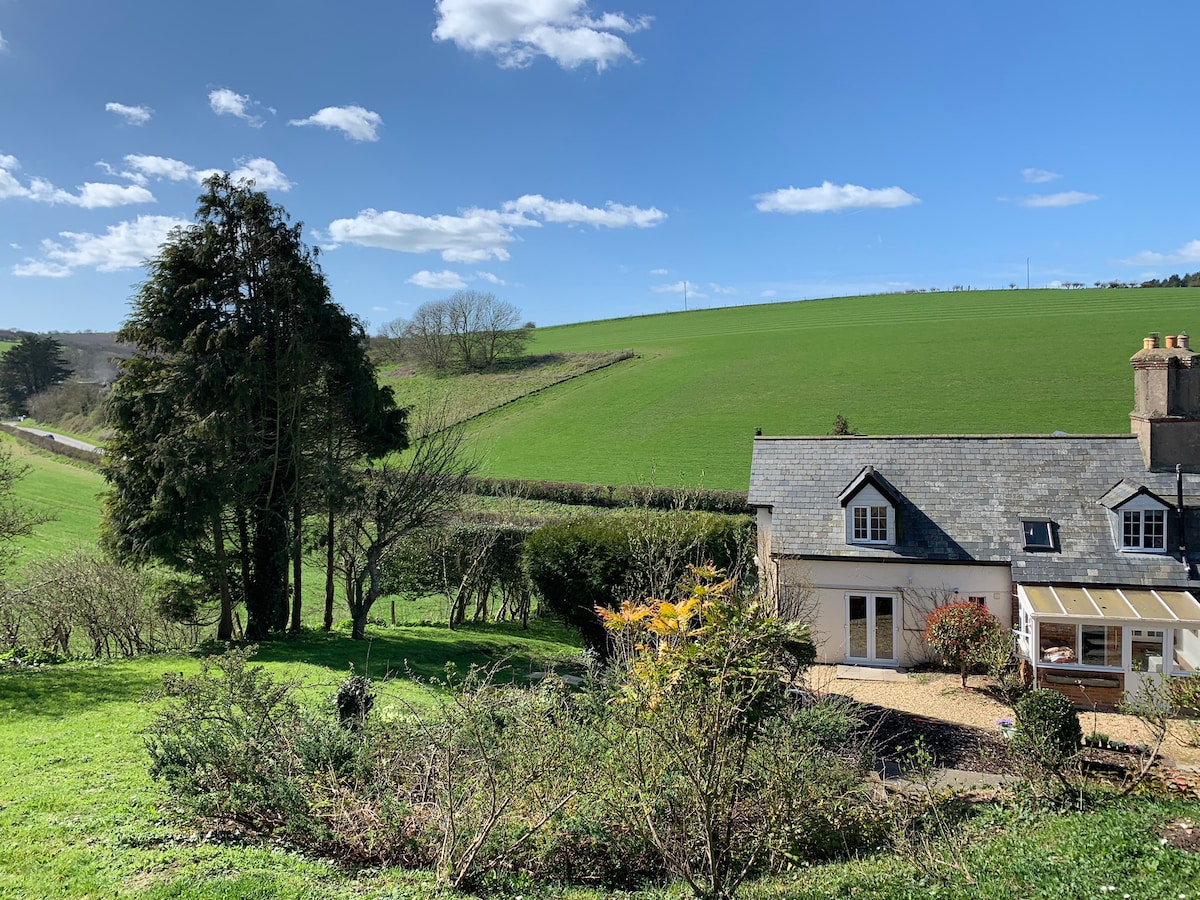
963,362
67,492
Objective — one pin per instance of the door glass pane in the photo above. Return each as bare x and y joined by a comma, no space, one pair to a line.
1147,650
858,627
1100,645
883,628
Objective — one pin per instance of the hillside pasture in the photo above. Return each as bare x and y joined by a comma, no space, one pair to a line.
463,396
685,410
67,492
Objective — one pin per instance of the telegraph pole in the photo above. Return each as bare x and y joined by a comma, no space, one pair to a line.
685,295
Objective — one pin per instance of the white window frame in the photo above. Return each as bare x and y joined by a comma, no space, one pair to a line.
870,499
1140,516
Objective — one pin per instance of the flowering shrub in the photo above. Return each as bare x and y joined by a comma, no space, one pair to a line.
960,632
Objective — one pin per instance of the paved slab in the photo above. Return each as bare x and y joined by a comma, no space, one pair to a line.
867,673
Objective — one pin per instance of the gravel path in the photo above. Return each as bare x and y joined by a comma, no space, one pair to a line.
940,696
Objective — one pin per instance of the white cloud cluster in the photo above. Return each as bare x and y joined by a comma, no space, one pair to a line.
3,43
443,281
518,31
265,174
475,235
121,246
1038,176
356,123
831,198
449,280
91,195
660,272
133,115
1188,254
225,102
613,215
1054,201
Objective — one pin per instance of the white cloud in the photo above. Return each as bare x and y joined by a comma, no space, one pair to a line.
721,289
225,102
768,293
92,195
613,215
1038,176
357,123
832,197
160,167
1188,254
3,43
133,115
263,172
680,287
489,277
516,32
442,281
379,309
660,272
475,235
123,246
1053,201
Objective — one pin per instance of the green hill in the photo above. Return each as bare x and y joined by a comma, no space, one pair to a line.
67,492
685,410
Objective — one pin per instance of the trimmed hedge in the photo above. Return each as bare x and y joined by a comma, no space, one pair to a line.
602,559
607,496
45,443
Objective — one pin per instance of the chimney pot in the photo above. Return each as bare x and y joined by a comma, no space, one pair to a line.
1170,342
1147,343
1153,339
1182,341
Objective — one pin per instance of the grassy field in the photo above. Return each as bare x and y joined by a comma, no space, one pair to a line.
66,491
964,362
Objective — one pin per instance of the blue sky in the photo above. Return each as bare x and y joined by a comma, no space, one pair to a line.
583,160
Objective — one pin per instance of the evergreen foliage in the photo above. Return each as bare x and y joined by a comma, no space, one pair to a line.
244,369
34,365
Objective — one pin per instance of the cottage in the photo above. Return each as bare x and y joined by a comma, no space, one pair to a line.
1085,545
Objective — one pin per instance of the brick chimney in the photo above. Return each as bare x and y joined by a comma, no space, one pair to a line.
1166,403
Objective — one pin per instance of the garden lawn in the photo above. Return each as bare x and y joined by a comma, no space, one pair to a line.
685,411
81,817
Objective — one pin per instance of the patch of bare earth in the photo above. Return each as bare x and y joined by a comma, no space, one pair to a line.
961,727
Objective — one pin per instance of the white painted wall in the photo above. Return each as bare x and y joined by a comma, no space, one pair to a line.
831,580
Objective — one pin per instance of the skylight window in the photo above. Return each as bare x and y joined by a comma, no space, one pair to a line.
1039,534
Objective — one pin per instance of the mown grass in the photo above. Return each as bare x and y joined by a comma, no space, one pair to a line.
685,410
66,491
81,817
463,396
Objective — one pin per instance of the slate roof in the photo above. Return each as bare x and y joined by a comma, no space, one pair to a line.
962,499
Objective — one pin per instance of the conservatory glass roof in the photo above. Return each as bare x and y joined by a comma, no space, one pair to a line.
1141,604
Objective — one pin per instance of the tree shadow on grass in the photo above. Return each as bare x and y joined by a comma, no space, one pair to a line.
57,692
425,651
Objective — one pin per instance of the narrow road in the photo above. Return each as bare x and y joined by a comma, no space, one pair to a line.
60,438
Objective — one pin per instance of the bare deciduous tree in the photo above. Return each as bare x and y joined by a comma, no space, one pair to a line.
470,329
393,500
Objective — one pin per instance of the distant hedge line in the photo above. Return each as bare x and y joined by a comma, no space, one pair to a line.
45,443
611,497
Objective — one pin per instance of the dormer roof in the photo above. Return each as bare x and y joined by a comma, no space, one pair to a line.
868,476
1124,491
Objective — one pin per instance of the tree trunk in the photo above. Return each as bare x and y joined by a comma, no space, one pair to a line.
225,626
329,528
297,564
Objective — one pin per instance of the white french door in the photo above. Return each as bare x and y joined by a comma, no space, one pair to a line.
872,629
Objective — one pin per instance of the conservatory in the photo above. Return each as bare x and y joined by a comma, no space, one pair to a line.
1099,645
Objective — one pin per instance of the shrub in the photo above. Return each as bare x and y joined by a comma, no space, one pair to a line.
959,632
354,699
602,560
1048,733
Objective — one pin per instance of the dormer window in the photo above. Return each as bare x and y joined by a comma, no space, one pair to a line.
870,504
1139,518
1144,529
